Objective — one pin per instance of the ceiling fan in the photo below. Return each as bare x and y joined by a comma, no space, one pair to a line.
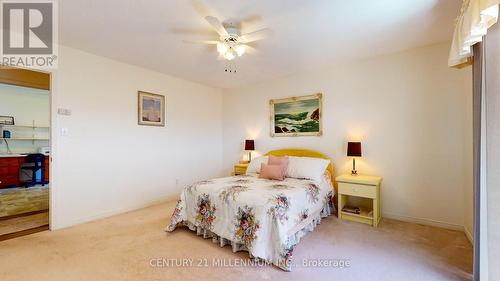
231,42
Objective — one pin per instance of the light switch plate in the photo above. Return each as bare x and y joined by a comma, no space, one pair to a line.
64,111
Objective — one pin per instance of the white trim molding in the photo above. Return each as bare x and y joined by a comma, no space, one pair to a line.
469,235
424,221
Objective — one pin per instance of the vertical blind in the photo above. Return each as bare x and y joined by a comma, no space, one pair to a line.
492,102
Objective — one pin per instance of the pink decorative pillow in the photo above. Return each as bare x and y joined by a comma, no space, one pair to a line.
282,161
271,172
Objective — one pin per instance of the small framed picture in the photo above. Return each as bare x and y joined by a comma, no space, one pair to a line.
151,109
6,120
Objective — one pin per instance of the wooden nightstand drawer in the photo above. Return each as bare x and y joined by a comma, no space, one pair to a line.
240,169
366,191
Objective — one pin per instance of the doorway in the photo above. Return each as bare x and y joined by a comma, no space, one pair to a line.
24,152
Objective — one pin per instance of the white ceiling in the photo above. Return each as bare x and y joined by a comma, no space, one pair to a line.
306,34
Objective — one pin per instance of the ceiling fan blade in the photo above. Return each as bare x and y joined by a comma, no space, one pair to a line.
256,35
201,42
251,50
217,25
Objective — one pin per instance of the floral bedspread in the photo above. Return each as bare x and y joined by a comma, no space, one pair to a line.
264,216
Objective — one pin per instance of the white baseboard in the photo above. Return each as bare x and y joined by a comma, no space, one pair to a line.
163,199
469,235
423,221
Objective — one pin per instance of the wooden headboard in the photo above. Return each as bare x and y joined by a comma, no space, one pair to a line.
302,153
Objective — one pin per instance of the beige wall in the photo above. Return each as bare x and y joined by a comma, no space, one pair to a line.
108,164
410,111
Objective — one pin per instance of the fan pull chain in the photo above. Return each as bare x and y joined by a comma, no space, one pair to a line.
230,68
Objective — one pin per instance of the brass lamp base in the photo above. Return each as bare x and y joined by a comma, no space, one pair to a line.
353,171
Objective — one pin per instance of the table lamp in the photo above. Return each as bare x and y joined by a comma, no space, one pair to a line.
249,146
354,150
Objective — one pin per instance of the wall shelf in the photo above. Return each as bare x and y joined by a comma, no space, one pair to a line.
23,132
24,126
34,139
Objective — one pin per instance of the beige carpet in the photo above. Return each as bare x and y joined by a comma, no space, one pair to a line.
122,247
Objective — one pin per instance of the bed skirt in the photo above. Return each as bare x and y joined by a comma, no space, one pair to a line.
284,263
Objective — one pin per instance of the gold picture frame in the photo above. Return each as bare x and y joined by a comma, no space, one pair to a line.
150,109
297,116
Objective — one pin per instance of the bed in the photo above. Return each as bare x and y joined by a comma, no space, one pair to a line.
265,217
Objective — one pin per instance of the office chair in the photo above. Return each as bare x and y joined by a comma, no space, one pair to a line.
37,162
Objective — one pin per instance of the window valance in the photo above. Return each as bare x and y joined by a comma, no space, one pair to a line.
476,16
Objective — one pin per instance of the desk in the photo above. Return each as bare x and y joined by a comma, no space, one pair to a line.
10,165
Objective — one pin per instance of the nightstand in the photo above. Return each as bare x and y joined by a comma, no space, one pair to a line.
364,191
240,169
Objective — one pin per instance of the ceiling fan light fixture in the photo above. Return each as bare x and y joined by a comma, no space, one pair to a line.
240,50
222,48
229,55
231,42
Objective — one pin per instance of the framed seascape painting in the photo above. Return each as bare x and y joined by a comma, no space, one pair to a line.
297,116
151,109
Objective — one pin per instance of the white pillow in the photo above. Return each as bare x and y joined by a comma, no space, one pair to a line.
254,166
306,168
